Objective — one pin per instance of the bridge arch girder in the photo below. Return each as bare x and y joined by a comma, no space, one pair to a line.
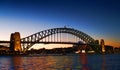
43,34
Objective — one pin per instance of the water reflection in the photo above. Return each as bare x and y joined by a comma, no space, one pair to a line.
83,58
42,63
18,63
65,62
5,62
103,62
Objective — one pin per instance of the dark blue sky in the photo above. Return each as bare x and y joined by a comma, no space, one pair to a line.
97,18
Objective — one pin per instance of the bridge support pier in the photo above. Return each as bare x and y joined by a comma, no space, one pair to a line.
102,45
15,42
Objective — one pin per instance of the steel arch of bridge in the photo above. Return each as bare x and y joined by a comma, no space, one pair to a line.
43,34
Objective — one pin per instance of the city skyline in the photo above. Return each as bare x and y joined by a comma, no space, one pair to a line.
99,19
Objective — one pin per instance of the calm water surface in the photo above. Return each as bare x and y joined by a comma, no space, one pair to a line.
65,62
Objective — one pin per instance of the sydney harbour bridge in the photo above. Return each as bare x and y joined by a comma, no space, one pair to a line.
55,36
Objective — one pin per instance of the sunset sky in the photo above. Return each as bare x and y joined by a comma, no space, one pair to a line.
98,18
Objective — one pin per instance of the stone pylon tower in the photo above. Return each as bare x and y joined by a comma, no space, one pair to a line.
15,42
102,43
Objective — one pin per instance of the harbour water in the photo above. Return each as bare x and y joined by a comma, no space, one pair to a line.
61,62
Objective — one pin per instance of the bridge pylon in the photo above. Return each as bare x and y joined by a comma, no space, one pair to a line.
102,43
15,42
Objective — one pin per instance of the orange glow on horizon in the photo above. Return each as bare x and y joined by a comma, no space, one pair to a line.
112,43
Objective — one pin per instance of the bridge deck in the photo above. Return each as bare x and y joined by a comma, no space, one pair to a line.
45,42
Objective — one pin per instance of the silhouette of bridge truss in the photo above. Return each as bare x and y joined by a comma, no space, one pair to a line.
55,35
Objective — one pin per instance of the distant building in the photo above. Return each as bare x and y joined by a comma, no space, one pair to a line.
117,50
109,49
4,48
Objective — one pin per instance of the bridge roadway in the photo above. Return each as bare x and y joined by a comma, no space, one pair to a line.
45,42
